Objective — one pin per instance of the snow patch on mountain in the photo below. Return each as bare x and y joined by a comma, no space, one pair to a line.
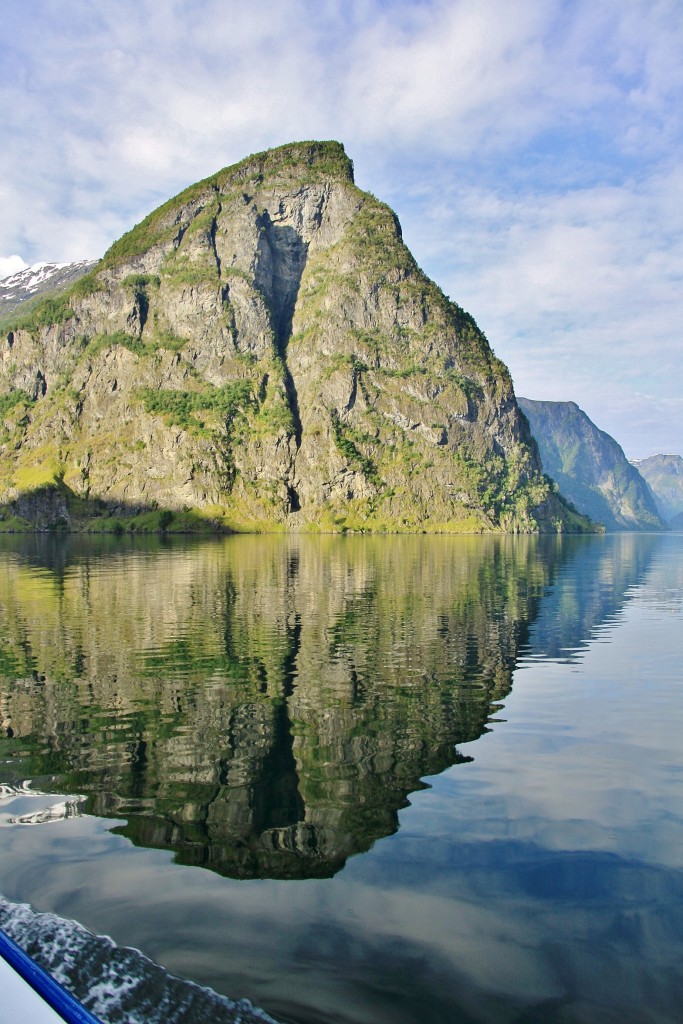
11,265
24,284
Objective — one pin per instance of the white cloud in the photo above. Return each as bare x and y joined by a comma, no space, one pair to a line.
579,292
11,265
530,150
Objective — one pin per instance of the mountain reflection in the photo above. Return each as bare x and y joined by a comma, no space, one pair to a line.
263,706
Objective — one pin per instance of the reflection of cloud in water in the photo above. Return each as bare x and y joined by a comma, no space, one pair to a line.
662,588
587,595
264,706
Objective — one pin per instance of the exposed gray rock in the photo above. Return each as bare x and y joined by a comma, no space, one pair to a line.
264,350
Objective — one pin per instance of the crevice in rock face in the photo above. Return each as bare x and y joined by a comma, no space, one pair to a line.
281,258
143,308
137,317
293,498
40,386
212,235
293,400
354,392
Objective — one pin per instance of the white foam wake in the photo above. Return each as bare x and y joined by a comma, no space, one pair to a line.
117,984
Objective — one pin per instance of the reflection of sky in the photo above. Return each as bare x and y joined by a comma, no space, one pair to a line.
602,753
588,594
545,877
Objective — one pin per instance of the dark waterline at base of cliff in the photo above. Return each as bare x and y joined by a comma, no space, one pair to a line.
247,723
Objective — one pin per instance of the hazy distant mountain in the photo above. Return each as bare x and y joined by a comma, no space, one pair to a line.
664,474
38,279
590,468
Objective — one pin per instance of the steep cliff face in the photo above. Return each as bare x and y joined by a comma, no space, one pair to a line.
664,475
590,467
263,352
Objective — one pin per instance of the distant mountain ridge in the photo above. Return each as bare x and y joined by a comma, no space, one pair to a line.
590,467
664,474
38,279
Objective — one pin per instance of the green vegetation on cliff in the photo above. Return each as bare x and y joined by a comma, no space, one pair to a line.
305,163
263,352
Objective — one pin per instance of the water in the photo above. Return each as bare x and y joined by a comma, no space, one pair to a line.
350,779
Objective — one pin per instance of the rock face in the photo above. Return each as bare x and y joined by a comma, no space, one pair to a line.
262,352
664,475
590,467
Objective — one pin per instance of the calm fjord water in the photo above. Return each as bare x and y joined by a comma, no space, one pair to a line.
357,780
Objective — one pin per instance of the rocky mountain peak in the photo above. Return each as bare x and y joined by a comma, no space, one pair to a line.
262,352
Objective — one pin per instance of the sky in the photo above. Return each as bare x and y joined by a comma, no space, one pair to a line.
532,152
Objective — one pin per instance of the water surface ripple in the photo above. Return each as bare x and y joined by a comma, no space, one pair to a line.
428,778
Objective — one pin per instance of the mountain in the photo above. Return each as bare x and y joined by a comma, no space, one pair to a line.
664,474
34,281
590,468
263,353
